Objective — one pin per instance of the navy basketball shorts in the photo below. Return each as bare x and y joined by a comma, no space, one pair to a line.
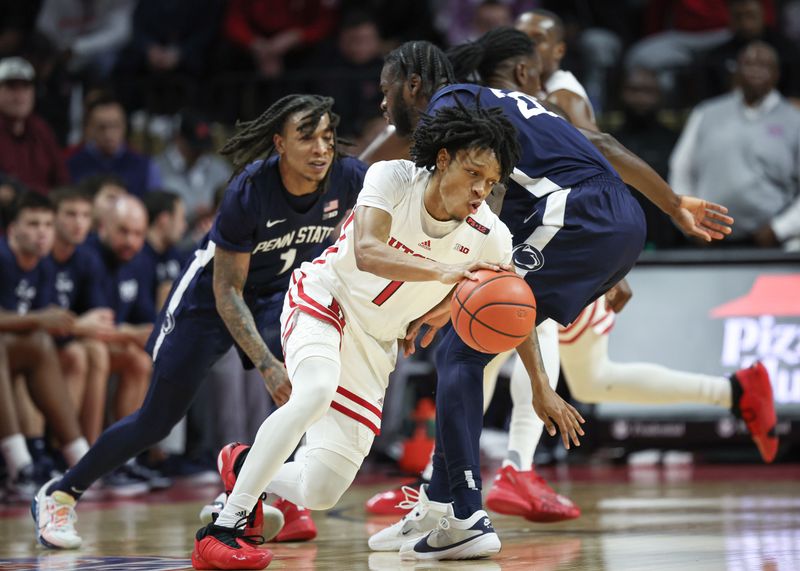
189,340
576,244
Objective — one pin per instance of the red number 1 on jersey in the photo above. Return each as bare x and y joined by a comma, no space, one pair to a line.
387,292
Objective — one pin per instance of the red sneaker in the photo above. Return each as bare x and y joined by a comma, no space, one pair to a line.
507,493
526,494
756,407
394,502
298,525
546,505
218,547
226,460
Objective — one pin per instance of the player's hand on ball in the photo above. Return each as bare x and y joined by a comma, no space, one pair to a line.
702,219
555,411
454,273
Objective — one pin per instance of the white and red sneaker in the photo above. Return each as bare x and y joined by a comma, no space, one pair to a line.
526,494
756,406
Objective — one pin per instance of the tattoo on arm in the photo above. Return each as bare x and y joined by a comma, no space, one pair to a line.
230,275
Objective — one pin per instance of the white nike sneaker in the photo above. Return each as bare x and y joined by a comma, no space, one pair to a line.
54,518
273,517
423,517
455,538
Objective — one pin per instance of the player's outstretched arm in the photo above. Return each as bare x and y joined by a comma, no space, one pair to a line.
551,408
374,255
695,217
230,275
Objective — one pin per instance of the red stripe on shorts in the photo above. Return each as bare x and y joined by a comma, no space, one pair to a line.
355,416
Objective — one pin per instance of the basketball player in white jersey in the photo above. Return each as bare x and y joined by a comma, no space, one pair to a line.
417,229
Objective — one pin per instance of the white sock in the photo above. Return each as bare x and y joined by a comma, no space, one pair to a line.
75,450
15,453
313,385
428,471
526,428
593,378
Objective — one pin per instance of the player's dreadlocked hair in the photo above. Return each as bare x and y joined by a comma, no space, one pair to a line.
488,53
424,59
254,138
460,128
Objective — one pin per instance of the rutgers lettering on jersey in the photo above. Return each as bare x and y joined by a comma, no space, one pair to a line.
279,230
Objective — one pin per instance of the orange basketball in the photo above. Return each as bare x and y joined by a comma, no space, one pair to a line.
495,313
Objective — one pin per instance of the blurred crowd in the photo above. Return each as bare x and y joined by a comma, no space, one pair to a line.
111,112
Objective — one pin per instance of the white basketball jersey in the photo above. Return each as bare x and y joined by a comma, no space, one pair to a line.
562,79
383,308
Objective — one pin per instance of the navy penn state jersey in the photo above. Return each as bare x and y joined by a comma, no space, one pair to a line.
555,155
126,287
256,217
22,291
167,264
77,286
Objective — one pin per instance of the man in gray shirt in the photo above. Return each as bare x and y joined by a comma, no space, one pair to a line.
742,149
190,168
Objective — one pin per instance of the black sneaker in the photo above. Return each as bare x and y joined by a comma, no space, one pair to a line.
123,484
154,479
23,486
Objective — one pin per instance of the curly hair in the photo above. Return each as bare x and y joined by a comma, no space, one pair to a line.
486,55
461,128
254,138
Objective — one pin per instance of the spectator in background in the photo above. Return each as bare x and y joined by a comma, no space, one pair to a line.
275,33
467,20
644,134
10,189
104,191
105,150
171,36
17,20
190,167
742,149
28,148
747,24
167,216
84,357
399,22
26,323
680,32
127,284
353,70
87,34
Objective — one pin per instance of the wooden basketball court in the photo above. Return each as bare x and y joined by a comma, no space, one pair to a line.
734,518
